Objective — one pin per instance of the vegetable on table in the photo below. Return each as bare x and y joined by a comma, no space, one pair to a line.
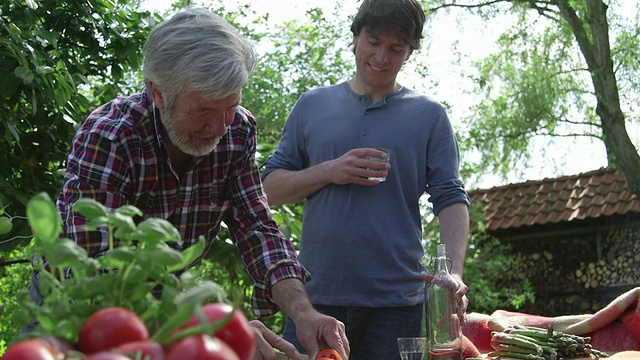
328,354
533,343
104,308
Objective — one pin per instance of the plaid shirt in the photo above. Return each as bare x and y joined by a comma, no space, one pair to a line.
118,157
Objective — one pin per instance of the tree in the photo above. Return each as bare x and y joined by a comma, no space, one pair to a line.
58,60
566,68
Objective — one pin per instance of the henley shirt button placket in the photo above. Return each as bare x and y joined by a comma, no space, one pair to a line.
366,112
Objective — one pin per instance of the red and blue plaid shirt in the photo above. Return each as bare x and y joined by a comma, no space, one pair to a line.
118,157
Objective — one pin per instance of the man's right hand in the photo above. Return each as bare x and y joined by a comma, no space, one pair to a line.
317,331
354,168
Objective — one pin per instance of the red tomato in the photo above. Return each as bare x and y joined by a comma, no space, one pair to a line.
105,355
236,333
32,349
200,347
328,354
149,350
109,328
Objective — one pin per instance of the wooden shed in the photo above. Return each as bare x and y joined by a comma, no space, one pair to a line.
575,238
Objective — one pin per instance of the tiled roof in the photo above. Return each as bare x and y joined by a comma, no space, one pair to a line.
594,194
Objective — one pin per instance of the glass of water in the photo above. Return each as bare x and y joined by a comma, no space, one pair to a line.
412,348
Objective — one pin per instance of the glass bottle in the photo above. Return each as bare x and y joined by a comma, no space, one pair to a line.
444,331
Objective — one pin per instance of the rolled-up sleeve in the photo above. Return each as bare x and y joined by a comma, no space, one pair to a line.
443,158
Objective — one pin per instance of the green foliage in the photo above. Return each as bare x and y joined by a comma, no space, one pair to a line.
491,283
13,279
531,90
564,69
125,276
295,57
58,60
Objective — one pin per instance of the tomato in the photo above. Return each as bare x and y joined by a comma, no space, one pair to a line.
32,349
200,347
149,350
236,333
109,328
106,355
328,354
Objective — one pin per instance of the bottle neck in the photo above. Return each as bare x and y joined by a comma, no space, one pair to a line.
441,265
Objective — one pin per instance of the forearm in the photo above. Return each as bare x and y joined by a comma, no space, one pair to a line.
289,186
291,297
454,232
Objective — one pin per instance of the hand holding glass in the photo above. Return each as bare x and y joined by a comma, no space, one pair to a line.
386,160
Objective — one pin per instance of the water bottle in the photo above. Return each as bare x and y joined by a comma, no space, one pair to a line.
444,331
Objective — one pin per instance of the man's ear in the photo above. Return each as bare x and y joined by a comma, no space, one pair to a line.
156,96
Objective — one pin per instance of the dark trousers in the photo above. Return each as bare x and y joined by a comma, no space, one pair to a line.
372,332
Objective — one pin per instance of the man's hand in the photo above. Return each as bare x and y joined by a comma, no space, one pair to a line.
314,330
354,168
317,331
267,340
460,295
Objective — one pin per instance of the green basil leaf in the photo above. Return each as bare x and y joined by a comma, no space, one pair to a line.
155,230
163,255
97,222
119,255
65,253
135,274
89,208
124,225
128,210
190,254
44,218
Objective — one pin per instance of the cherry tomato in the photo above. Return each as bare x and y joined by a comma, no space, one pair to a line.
148,350
236,333
328,354
200,347
32,349
109,328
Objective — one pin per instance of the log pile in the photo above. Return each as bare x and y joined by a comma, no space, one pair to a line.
566,271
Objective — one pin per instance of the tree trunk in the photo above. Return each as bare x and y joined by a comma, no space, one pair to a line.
596,50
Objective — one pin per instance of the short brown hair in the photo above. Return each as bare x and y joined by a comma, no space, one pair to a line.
404,18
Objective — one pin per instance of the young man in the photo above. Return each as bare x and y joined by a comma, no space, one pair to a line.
361,238
183,149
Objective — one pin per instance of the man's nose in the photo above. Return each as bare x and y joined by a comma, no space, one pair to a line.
381,55
217,125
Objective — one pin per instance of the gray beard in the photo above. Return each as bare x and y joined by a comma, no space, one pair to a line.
183,143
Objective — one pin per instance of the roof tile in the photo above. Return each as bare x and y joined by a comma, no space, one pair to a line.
602,192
